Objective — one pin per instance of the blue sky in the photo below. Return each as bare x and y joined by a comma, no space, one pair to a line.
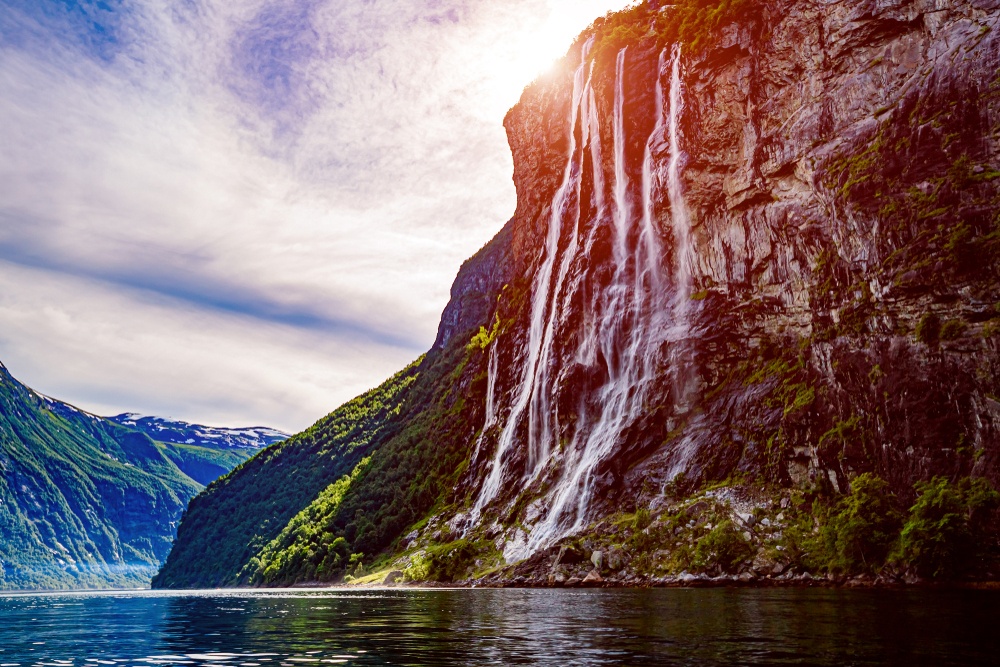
246,211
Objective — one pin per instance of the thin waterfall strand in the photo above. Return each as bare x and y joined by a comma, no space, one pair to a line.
649,239
621,178
540,414
683,247
490,419
683,250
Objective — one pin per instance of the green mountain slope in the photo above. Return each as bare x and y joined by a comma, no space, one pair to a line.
246,527
243,511
85,502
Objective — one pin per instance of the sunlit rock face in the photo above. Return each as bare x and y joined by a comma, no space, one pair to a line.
761,262
772,260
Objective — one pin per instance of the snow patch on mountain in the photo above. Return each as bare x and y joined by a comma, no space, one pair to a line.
185,433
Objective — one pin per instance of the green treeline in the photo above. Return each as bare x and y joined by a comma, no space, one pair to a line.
239,514
349,486
413,469
689,23
309,548
949,532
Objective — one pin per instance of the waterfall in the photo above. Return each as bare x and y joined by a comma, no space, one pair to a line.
649,237
531,394
638,312
491,382
629,330
683,250
679,212
491,401
621,178
540,412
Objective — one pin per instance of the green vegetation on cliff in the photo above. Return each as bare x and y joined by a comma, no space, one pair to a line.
691,23
951,530
240,514
349,487
308,548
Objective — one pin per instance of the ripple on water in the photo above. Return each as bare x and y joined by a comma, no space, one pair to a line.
714,628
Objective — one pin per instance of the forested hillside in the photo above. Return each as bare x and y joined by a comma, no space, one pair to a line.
413,428
86,502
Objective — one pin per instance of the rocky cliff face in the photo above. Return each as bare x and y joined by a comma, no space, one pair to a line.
752,270
770,259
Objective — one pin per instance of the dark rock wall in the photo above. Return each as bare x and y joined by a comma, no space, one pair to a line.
842,175
474,292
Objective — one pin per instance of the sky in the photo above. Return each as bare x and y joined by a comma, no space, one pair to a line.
246,212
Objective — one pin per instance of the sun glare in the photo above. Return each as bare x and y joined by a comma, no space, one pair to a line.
535,47
540,49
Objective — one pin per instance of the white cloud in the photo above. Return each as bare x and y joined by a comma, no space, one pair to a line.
105,348
264,201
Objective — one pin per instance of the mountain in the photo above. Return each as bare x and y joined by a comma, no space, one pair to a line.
743,323
203,453
86,502
184,433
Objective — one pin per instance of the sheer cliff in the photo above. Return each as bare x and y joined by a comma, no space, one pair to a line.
750,282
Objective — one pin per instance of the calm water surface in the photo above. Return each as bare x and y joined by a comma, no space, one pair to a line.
500,627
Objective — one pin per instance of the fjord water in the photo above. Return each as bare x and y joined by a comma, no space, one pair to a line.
500,627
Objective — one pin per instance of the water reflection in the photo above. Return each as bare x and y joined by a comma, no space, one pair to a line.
500,627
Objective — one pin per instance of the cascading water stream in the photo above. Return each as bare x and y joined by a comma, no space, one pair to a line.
678,207
649,237
621,178
626,324
683,249
540,332
490,419
491,382
629,334
586,351
540,413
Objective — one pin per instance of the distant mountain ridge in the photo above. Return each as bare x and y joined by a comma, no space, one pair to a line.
87,502
185,433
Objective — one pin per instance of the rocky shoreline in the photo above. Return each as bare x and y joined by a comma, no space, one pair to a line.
687,580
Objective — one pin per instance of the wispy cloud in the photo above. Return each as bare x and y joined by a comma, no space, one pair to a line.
297,180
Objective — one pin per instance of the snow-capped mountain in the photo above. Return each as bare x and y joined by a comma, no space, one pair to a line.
184,433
